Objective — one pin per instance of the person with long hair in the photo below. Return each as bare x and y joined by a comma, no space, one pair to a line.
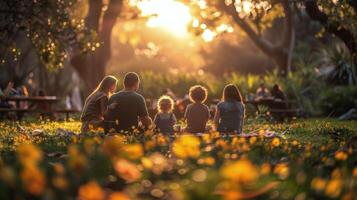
96,104
229,116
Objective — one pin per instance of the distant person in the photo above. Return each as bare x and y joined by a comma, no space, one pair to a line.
165,119
197,113
127,107
3,94
23,91
280,99
229,117
95,105
262,92
277,93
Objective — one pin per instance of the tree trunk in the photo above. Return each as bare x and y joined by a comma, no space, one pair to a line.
91,66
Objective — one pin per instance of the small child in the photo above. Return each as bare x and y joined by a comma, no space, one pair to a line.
197,113
165,119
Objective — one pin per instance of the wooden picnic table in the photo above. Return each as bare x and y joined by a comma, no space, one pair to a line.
44,105
279,108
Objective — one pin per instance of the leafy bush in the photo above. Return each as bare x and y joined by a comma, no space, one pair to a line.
339,100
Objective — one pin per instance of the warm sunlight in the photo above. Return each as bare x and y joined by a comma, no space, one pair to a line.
168,14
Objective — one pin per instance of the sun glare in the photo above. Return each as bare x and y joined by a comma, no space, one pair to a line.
168,14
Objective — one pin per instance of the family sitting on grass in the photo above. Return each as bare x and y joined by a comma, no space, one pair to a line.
126,109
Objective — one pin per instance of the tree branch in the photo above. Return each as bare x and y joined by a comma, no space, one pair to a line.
345,35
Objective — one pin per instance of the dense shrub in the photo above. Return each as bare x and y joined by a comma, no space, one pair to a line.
339,100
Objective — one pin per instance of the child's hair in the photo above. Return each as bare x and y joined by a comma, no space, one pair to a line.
198,94
105,84
231,92
165,103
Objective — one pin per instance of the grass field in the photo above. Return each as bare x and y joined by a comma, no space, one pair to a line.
309,159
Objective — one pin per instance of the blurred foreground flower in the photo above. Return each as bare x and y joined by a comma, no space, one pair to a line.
91,191
127,170
340,155
133,151
241,171
282,170
118,196
112,146
33,180
186,146
29,154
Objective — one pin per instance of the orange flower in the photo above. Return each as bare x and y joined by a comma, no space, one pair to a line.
118,196
33,179
333,188
29,154
90,191
133,151
282,170
318,184
112,146
275,142
127,170
340,155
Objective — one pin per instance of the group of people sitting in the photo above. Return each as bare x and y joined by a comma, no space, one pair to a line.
126,110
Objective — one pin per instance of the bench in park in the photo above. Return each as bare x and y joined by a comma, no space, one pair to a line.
33,101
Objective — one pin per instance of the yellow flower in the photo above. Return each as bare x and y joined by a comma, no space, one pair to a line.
133,151
242,171
340,155
186,146
252,140
29,154
333,188
275,142
318,184
146,162
118,196
33,180
127,170
282,170
91,191
295,143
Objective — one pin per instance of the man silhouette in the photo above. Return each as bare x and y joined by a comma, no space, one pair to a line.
127,107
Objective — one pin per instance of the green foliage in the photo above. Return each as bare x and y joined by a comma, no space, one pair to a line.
47,24
339,100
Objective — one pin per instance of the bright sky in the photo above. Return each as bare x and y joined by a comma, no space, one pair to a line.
169,14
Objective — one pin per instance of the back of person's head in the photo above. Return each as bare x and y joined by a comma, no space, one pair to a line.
165,104
198,94
41,92
131,79
107,83
276,87
231,92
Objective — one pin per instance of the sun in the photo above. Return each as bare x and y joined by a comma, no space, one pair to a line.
170,15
